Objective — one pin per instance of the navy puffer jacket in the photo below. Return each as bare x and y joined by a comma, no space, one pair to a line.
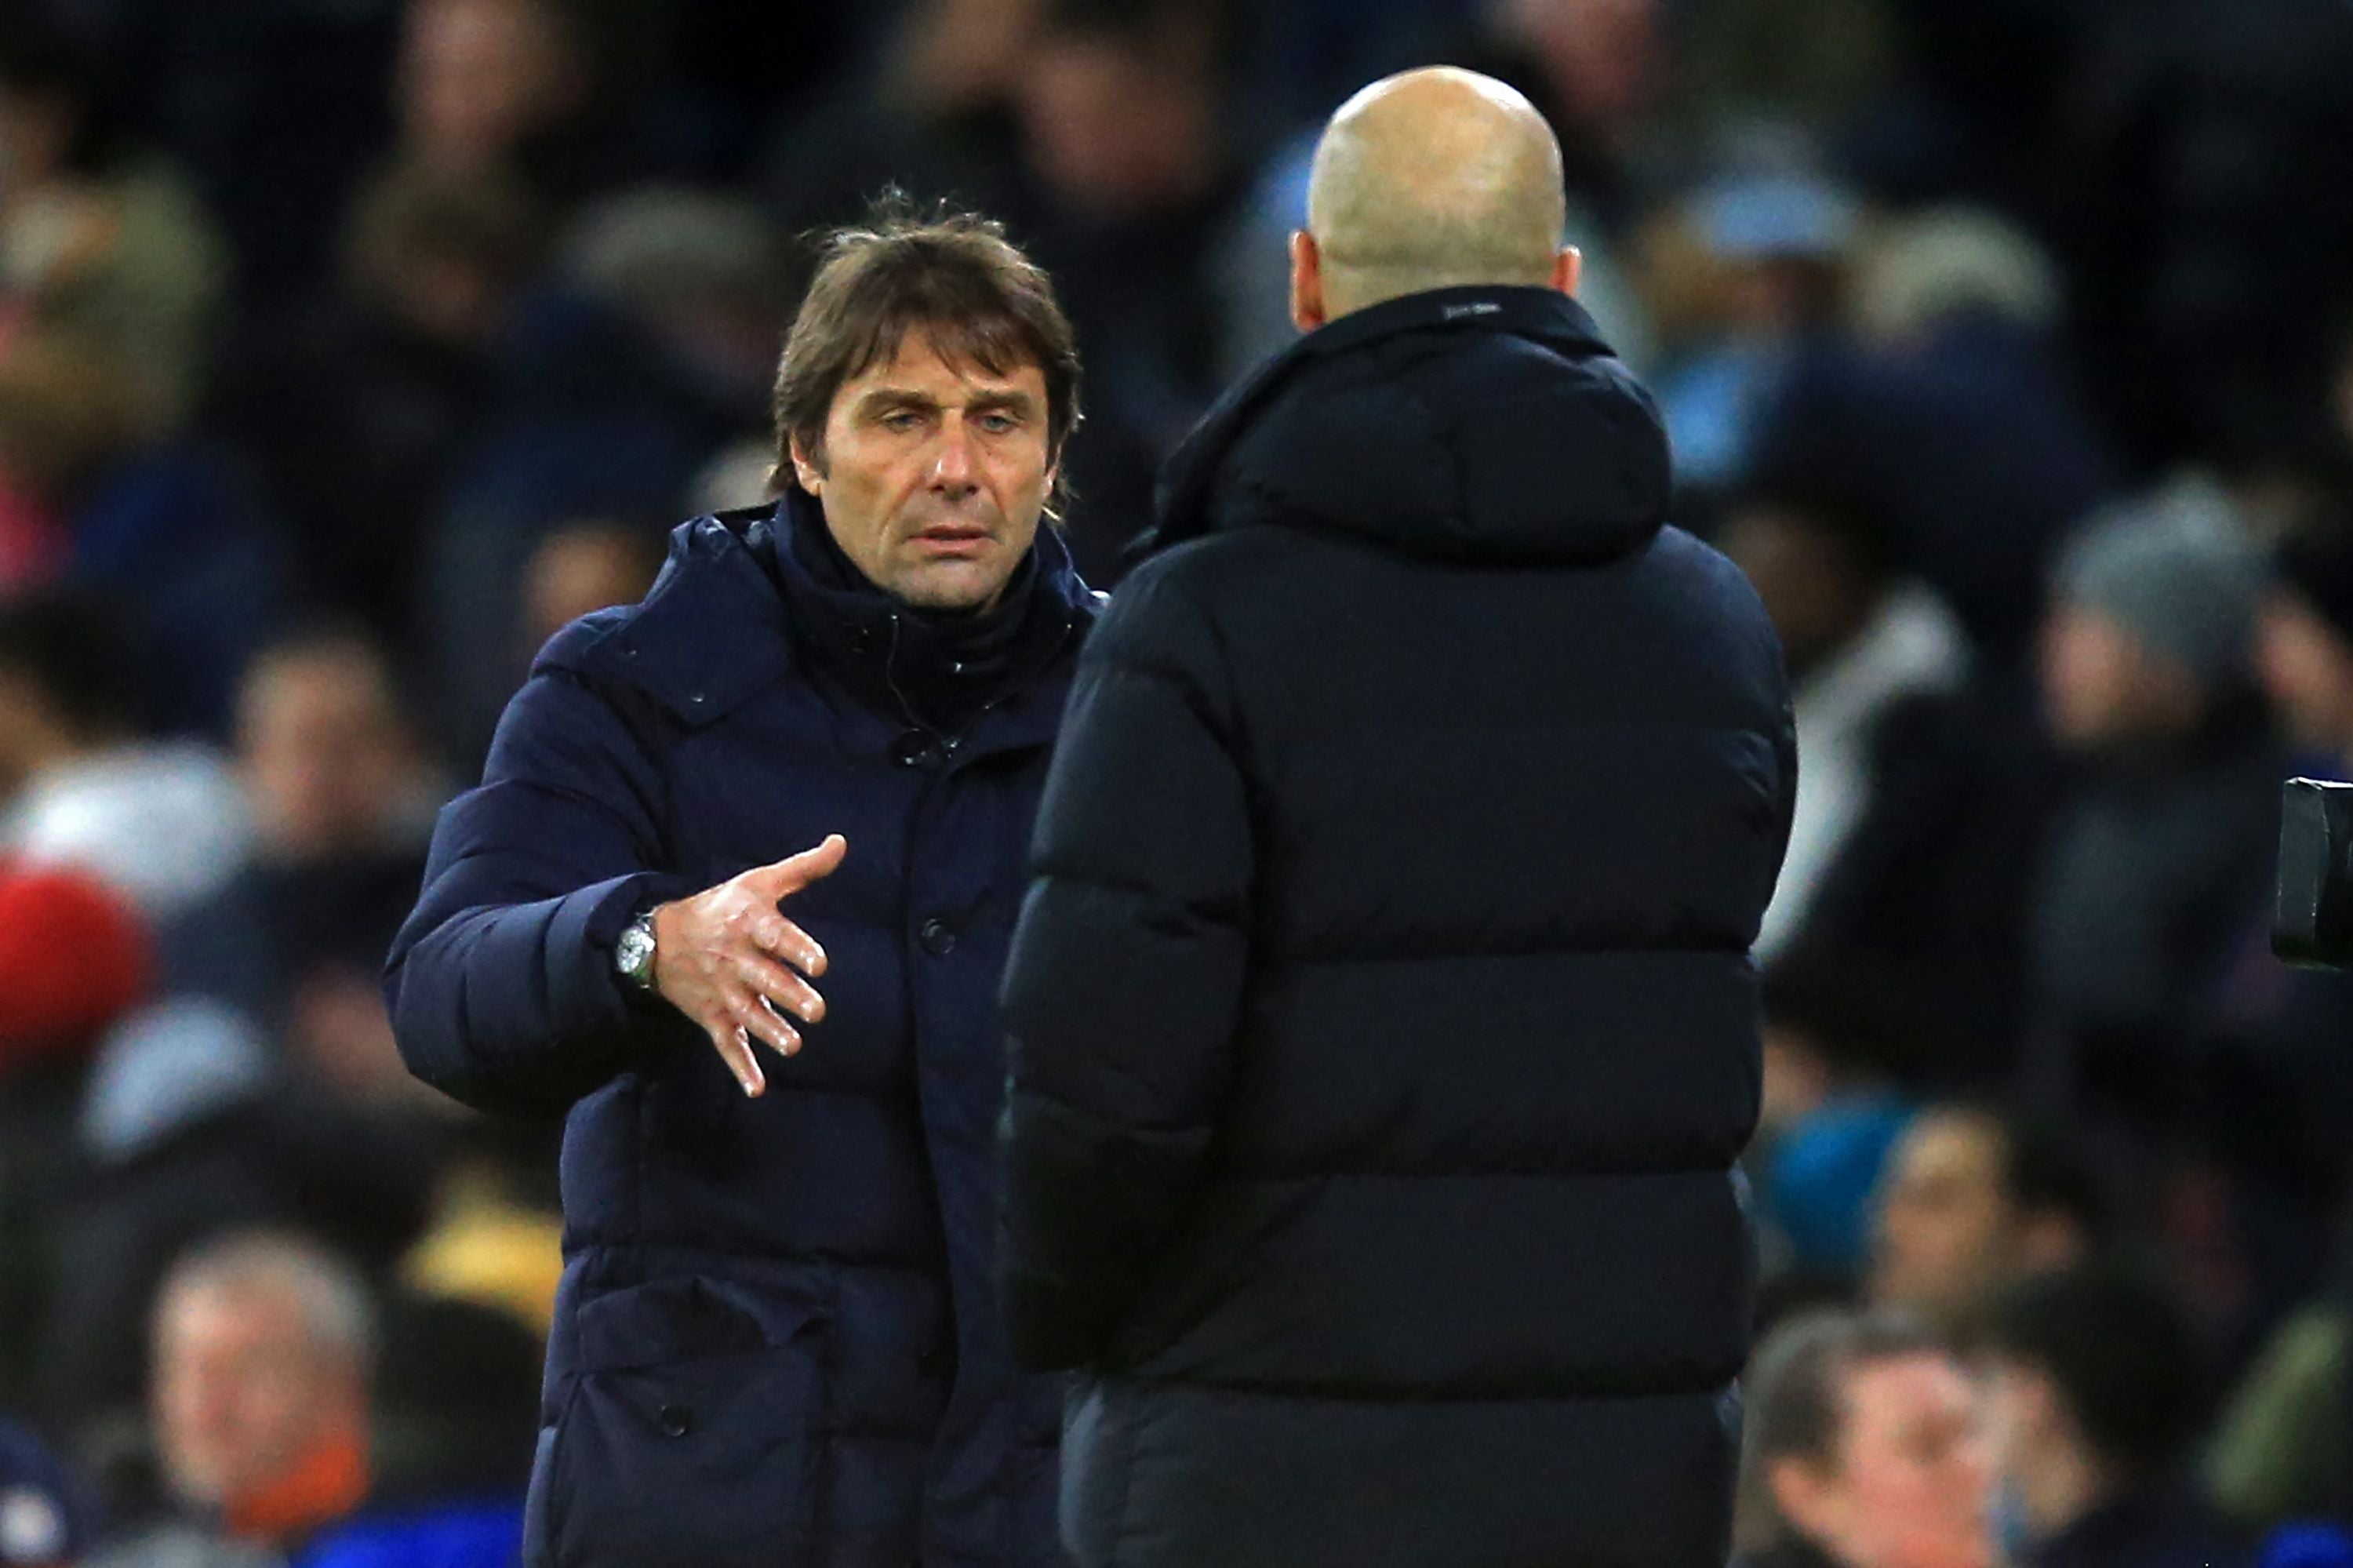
776,1343
1384,1023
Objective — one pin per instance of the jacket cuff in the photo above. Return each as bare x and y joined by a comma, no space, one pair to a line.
580,942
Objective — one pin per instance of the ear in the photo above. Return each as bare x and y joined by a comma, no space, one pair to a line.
1806,1498
1307,307
1569,270
807,472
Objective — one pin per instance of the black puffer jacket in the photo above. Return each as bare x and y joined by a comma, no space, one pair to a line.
1384,1024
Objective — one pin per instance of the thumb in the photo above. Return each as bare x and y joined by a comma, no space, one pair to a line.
796,872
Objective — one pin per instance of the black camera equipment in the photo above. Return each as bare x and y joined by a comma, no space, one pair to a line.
2312,924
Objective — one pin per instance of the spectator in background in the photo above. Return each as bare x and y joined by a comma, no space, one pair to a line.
1845,1052
47,1516
164,822
651,351
74,957
1947,409
1918,789
932,117
264,1346
301,1423
98,243
579,568
504,87
1133,182
2167,838
267,1089
1774,247
1861,1448
194,1124
1858,641
2097,1391
699,275
360,404
167,528
1976,1200
341,803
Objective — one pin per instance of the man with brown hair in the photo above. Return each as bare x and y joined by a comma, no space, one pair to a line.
1863,1449
775,1341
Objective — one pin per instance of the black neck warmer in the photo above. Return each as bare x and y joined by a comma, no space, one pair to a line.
937,669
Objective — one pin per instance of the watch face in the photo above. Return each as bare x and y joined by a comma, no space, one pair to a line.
634,953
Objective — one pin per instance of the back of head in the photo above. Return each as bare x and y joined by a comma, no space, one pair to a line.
2051,1175
2118,1350
1435,178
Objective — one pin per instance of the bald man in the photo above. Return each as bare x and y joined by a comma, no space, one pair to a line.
1384,1028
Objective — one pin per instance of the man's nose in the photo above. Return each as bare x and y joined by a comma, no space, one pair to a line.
952,470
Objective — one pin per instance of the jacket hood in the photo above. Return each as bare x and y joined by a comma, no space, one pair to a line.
1485,424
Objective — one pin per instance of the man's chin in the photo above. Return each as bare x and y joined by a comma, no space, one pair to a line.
953,585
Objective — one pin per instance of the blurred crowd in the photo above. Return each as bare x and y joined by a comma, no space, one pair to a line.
350,347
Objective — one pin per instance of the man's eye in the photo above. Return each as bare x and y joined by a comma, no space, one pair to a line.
998,424
904,420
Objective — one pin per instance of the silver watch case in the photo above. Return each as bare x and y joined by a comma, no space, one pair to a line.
633,954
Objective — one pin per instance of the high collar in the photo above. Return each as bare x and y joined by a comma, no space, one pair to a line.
1485,423
938,671
729,615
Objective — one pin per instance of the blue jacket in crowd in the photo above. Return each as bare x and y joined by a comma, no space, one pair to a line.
776,1342
1384,1023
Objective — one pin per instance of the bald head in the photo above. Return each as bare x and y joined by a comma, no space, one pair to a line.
1430,179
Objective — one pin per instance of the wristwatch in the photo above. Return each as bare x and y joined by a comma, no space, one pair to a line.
633,953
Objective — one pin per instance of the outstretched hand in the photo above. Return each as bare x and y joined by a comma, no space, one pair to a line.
727,958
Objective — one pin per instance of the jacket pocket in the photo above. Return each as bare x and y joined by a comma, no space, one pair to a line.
690,1435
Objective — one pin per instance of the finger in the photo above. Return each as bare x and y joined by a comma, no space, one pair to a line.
736,1051
764,1023
789,942
796,872
773,982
